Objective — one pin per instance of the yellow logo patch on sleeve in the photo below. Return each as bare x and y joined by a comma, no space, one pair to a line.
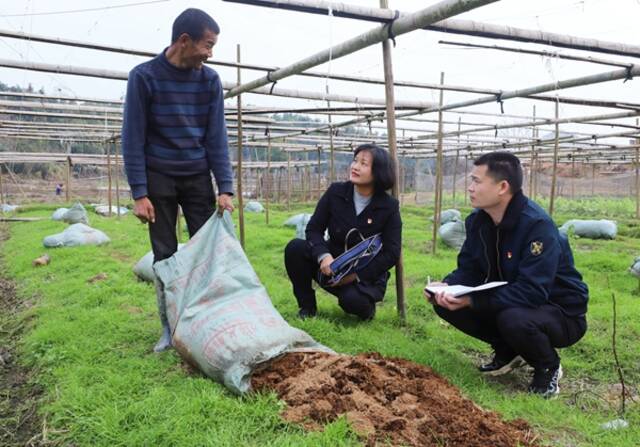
536,248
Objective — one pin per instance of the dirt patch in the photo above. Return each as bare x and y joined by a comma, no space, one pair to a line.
20,423
385,400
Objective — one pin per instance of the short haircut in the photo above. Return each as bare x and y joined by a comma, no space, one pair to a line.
193,22
383,168
503,166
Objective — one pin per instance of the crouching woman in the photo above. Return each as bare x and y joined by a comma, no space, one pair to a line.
363,204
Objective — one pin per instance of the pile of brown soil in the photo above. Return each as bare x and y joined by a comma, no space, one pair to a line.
385,400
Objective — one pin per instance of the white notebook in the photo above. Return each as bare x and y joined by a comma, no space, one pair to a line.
459,290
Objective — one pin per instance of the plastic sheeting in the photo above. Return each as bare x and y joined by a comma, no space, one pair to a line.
76,234
591,229
450,215
76,214
635,267
453,233
59,213
103,210
254,207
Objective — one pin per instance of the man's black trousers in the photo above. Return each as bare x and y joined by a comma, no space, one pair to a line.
531,333
354,298
195,196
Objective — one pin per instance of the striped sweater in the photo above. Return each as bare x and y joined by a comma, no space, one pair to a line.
174,124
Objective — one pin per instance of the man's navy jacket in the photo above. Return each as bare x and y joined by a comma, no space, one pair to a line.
528,252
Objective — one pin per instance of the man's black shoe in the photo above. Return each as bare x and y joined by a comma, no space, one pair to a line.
546,382
303,313
498,366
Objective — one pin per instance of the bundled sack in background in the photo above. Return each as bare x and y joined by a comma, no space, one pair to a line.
301,227
635,267
299,221
591,229
6,208
76,214
296,220
221,318
450,215
144,267
103,210
59,213
254,207
76,234
453,234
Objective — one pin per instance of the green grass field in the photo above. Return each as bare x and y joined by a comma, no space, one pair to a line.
89,344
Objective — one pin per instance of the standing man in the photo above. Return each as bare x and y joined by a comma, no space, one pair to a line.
543,306
174,136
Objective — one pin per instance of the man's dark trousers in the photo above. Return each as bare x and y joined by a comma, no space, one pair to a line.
531,333
195,196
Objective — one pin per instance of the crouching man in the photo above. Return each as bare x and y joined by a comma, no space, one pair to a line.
543,306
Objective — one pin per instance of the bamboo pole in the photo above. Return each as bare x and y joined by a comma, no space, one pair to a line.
637,174
438,184
259,90
573,178
415,179
279,174
453,26
268,179
378,34
288,181
115,150
319,175
1,187
393,152
554,179
549,54
307,197
239,162
455,164
67,189
466,177
533,155
108,150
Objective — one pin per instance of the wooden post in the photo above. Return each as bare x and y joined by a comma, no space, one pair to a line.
307,196
593,179
115,151
555,162
393,150
533,155
239,164
268,179
67,189
319,175
303,182
438,184
455,164
573,178
332,168
279,174
288,181
109,202
415,178
466,177
1,187
637,176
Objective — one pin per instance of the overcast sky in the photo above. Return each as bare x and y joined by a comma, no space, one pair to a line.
274,37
